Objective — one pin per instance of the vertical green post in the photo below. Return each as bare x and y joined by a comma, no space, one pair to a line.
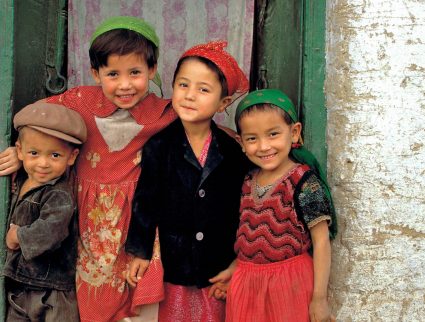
313,96
6,81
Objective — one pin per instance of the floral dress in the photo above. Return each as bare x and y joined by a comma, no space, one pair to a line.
107,173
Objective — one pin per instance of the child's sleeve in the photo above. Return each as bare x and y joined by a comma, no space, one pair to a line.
146,204
311,202
51,228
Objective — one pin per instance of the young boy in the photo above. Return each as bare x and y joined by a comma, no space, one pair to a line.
42,236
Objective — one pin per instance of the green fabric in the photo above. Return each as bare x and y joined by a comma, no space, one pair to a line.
304,156
127,22
299,154
267,96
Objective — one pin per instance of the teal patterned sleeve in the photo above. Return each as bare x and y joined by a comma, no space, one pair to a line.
311,202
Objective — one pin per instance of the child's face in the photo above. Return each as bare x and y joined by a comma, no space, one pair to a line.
197,93
266,139
44,157
125,79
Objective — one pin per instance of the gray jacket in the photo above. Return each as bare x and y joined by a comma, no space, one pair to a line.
47,237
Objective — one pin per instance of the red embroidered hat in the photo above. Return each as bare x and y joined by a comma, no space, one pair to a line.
214,51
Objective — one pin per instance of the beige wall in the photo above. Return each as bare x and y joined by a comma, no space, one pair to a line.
375,95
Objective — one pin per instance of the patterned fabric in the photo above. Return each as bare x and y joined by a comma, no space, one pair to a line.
271,229
275,292
107,173
189,303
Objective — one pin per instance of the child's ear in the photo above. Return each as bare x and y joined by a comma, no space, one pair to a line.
152,71
224,103
239,139
296,132
73,156
19,150
95,75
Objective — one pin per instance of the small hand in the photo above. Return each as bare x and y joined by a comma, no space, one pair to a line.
221,283
320,311
12,241
219,290
137,269
9,162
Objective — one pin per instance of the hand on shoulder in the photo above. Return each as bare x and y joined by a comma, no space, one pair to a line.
9,162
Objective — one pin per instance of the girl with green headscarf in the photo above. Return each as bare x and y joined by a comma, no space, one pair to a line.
287,219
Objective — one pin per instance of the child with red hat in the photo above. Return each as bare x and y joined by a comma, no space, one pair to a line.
190,188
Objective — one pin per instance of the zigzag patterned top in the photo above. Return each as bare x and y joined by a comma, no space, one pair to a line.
276,227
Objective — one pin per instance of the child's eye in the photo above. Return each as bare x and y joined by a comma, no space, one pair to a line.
55,155
250,139
135,72
182,84
32,152
204,90
112,74
274,133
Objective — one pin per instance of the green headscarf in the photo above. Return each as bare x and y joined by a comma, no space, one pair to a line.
131,23
126,22
299,154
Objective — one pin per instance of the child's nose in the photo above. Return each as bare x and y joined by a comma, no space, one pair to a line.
190,93
43,162
124,83
264,145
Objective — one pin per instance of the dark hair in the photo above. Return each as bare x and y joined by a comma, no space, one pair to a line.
121,42
264,107
210,65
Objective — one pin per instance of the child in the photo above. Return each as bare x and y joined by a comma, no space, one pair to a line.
121,115
190,188
286,208
42,236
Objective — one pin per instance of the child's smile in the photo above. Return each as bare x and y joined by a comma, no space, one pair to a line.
267,139
125,80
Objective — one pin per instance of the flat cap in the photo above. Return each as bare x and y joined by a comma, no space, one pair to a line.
52,119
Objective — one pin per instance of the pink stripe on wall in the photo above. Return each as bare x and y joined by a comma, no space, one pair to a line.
131,10
174,19
217,19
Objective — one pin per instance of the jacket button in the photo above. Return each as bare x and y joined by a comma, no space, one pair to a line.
201,193
199,236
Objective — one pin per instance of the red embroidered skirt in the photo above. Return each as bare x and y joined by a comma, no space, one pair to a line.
276,292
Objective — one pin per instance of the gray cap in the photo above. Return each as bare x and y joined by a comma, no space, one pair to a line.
52,119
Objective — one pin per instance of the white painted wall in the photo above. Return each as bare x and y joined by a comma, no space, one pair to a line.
375,92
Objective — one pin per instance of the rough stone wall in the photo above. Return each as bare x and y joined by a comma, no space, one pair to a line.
375,95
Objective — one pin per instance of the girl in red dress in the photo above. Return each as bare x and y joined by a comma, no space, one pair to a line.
283,245
121,115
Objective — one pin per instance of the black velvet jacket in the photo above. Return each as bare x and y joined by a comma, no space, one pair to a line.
47,237
196,209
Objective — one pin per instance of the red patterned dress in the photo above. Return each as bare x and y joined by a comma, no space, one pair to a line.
107,173
273,281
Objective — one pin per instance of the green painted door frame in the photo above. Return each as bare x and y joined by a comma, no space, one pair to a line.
6,87
289,54
32,62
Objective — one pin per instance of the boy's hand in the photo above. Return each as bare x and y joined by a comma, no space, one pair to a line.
137,269
12,241
9,162
320,311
